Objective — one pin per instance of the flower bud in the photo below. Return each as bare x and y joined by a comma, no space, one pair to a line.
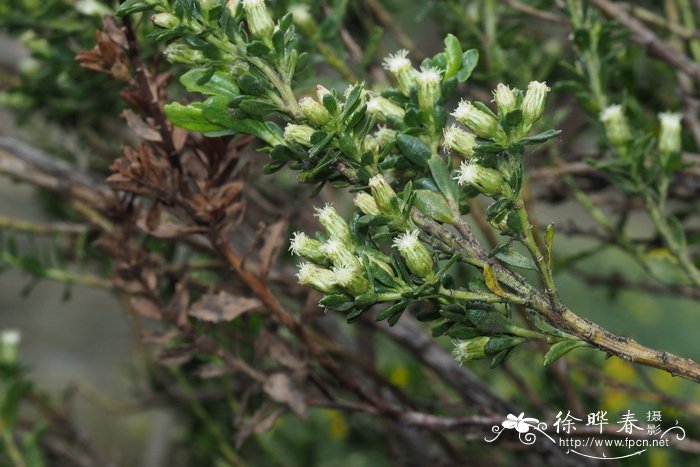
300,134
232,6
505,99
383,108
303,19
259,20
400,66
339,253
416,255
165,20
470,349
384,195
488,181
314,111
9,344
319,278
385,136
477,120
351,278
180,53
366,203
308,248
370,144
459,141
321,92
616,127
428,80
533,102
670,132
334,224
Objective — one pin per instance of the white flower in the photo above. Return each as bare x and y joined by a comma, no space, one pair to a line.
406,241
416,255
383,194
616,127
428,87
319,278
480,122
339,253
351,278
397,62
533,102
459,140
488,181
505,99
384,109
334,224
670,132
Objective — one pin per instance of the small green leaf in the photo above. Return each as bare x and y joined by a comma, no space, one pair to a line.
441,175
453,53
540,138
513,257
217,84
489,321
560,349
469,60
549,244
392,310
190,117
434,205
414,149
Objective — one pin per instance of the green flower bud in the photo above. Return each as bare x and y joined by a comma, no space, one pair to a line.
180,53
480,122
616,127
366,204
321,92
351,278
9,345
417,256
232,6
384,195
314,111
488,181
428,80
300,134
670,132
385,136
400,66
533,102
505,99
319,278
208,5
339,253
470,349
303,19
309,248
459,141
259,21
383,108
335,226
165,20
370,144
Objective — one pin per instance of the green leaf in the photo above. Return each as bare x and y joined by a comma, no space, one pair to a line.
511,122
463,332
257,49
434,205
498,344
560,349
441,174
217,84
257,107
131,6
549,244
190,117
540,138
392,310
513,257
414,149
469,60
453,53
489,321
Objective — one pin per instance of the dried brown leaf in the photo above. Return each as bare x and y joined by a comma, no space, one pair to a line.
145,307
141,128
222,307
281,388
275,238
